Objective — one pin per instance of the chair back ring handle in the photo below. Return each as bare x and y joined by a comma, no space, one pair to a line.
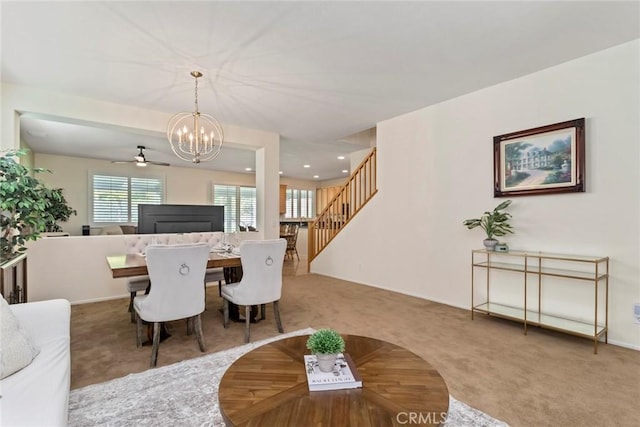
184,270
269,261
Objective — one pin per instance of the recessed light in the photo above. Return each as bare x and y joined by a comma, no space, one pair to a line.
280,172
307,166
344,171
340,157
247,169
316,176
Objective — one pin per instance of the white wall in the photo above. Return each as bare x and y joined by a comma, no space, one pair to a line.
435,170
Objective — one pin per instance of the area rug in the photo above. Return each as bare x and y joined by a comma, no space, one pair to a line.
186,394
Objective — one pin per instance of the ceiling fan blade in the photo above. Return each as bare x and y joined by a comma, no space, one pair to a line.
140,159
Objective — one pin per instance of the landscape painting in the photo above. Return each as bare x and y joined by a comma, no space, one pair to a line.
543,160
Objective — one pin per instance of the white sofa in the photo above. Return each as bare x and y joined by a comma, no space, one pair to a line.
38,394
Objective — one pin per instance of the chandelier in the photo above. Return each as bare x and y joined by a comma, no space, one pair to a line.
194,136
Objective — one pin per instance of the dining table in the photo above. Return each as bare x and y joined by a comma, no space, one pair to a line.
130,265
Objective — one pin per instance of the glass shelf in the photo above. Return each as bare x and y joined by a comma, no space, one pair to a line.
589,269
576,327
533,269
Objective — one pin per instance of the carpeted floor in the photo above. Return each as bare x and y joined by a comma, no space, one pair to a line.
539,379
185,394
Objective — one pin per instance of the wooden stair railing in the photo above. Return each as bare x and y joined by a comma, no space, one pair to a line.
352,196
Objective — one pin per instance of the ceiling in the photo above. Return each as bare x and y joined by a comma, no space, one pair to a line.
314,72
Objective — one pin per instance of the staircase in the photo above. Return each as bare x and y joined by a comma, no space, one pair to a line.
352,196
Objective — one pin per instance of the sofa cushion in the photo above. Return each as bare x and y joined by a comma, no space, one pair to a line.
16,348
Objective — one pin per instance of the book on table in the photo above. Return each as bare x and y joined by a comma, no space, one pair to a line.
343,376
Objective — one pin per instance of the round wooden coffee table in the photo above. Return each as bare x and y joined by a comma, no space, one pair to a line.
268,387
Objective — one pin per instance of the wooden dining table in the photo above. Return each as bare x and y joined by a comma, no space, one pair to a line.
130,265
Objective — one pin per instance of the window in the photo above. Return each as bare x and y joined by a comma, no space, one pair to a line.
299,203
240,207
115,199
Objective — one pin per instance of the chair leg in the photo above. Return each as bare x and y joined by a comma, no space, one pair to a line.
276,314
247,322
263,309
199,335
156,343
138,330
190,326
297,256
225,313
220,288
131,310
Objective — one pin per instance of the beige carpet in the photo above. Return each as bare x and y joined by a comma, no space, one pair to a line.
186,394
541,379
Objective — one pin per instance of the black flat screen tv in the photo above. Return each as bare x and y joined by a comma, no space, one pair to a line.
155,219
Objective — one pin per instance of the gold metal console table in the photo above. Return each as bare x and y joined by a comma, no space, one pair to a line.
533,267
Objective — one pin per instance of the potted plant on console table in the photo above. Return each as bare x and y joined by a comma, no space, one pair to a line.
325,344
494,223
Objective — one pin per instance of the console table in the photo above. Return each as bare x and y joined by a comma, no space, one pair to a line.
534,266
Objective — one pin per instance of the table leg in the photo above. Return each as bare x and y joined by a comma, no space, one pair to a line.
164,333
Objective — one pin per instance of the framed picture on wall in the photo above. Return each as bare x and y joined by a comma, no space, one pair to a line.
544,160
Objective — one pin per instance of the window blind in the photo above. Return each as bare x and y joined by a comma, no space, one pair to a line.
147,191
299,203
240,206
226,195
115,199
248,206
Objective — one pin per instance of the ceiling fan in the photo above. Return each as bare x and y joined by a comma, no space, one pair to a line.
140,160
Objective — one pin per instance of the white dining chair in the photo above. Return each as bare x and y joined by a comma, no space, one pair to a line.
261,281
214,239
177,273
137,245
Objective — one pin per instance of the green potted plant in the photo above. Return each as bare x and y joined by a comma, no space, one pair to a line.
325,344
24,205
59,209
494,223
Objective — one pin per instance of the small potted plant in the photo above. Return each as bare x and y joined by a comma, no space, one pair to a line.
494,223
325,344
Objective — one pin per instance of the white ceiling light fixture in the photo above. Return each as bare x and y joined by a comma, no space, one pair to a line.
340,157
194,136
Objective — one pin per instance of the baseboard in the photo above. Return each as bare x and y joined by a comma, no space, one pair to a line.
624,344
